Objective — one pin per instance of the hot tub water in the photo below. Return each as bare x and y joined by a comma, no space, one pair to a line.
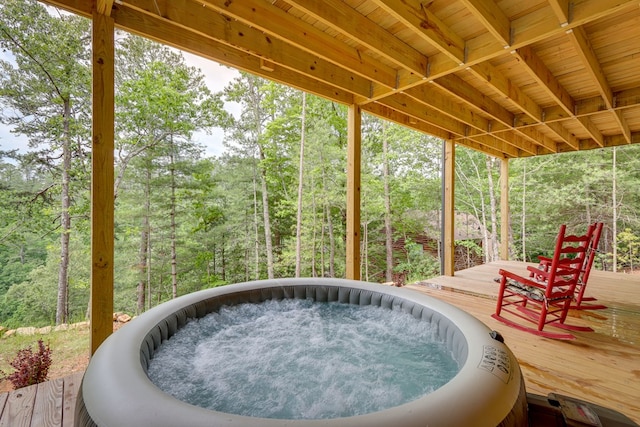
299,359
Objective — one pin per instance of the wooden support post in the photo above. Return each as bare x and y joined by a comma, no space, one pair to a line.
353,193
504,209
102,175
448,206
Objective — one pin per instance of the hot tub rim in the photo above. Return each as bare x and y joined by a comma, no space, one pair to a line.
115,365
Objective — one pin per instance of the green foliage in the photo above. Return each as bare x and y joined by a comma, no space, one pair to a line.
418,264
217,211
628,249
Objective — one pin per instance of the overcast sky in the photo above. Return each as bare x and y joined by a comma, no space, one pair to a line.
216,78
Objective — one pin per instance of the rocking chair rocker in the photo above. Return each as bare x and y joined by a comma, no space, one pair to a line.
546,295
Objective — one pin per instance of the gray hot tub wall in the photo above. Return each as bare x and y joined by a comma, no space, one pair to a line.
148,405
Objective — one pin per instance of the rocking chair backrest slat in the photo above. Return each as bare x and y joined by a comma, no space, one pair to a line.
592,249
568,260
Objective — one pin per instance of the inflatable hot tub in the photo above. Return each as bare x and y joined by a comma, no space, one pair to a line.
488,390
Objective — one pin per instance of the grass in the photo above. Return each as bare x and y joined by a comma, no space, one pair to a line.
69,352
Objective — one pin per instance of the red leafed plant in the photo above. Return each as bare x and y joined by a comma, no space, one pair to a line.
30,368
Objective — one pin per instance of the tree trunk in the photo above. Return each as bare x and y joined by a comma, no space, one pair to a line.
387,206
255,227
300,187
223,260
314,236
266,216
172,214
143,254
62,309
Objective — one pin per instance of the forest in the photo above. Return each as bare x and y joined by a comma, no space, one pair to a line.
271,205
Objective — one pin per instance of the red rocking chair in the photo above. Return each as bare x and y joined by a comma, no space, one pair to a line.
584,273
546,295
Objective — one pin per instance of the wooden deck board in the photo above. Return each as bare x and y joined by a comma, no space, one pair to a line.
51,403
602,367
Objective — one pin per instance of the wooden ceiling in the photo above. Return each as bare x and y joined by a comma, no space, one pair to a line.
511,78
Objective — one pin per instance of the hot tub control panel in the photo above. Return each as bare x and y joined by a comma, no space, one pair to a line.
496,361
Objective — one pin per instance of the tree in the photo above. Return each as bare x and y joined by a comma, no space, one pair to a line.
48,89
161,102
300,189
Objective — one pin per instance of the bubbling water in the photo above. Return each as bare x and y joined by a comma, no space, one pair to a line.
300,359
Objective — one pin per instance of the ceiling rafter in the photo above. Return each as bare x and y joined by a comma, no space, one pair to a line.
427,25
545,79
592,64
385,112
342,17
361,52
592,130
468,94
562,11
305,37
238,35
541,74
430,96
158,28
406,104
481,142
493,18
503,86
515,144
570,139
579,37
433,98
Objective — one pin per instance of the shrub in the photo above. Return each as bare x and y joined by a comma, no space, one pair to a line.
30,368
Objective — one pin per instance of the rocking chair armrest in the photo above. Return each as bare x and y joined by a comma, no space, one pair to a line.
521,279
535,271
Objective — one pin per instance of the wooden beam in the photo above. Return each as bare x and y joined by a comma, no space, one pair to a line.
406,104
354,153
541,74
493,18
235,34
591,63
504,209
491,144
593,67
388,113
305,37
448,206
482,147
344,19
570,139
538,138
102,180
466,93
506,88
430,95
427,25
622,123
561,9
103,7
164,31
592,130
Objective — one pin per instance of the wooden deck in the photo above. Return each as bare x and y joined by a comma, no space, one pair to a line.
48,404
602,367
